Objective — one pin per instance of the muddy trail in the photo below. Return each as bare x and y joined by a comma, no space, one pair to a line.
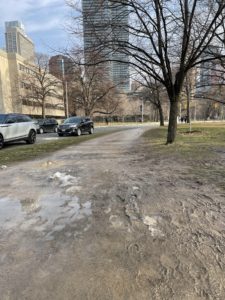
105,220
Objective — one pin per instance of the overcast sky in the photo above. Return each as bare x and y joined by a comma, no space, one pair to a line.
44,22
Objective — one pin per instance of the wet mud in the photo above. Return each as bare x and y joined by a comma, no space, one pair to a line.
105,220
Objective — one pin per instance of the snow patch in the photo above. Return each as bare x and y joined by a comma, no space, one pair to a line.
73,189
136,188
3,167
63,179
51,138
151,222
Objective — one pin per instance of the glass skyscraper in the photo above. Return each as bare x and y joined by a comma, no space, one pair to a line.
105,29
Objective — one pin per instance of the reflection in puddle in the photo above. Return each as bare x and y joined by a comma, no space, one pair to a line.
10,213
29,205
49,212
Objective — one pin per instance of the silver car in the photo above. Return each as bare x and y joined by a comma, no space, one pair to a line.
16,127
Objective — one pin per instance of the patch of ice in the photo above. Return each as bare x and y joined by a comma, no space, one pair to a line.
10,213
86,209
64,179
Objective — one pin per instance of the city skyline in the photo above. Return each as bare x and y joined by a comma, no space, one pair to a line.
44,22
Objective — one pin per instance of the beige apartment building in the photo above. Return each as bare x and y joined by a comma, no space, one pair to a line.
12,88
17,40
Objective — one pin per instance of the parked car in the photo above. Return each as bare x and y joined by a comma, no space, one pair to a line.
47,125
76,126
16,127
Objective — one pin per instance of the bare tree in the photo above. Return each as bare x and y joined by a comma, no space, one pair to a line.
169,35
38,84
91,90
153,91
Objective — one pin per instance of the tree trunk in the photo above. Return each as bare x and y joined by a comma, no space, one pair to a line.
87,112
43,109
161,117
172,128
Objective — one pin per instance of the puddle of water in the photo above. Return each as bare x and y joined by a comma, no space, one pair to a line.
47,212
10,213
60,209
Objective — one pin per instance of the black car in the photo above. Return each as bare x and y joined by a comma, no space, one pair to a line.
47,125
76,126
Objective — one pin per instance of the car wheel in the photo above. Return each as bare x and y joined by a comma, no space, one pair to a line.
1,141
78,132
31,137
60,134
41,130
91,131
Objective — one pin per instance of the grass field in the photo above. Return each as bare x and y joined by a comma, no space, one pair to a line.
202,137
203,150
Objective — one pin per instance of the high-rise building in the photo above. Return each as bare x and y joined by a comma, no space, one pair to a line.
119,22
17,41
105,28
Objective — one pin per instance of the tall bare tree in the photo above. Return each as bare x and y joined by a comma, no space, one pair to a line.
171,35
90,88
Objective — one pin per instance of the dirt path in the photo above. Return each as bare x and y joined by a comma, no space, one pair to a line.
104,220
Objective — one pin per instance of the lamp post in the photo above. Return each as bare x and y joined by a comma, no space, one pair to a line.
142,110
65,89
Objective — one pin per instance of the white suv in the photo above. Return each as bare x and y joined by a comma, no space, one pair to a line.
15,127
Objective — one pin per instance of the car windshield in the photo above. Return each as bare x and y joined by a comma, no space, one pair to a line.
2,119
73,120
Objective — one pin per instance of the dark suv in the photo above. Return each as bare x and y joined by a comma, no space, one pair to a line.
76,126
47,125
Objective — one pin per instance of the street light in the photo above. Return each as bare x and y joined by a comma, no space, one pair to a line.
65,89
142,110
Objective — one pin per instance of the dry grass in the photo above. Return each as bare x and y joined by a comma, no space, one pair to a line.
203,150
